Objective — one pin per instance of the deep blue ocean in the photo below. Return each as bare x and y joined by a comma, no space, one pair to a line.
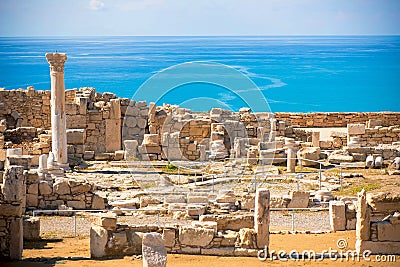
296,74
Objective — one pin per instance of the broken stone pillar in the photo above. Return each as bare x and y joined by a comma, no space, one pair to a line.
42,169
315,139
153,250
131,147
113,127
58,119
261,217
363,217
291,155
337,215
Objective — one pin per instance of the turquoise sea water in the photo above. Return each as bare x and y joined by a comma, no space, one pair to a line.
303,74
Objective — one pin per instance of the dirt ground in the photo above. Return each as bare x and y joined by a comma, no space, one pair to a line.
75,252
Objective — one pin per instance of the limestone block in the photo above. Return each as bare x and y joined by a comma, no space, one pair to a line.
32,200
337,215
16,241
76,204
113,135
147,200
45,188
76,136
363,217
384,201
229,238
80,188
247,238
115,109
168,236
150,139
227,196
9,210
229,222
337,158
195,236
119,155
195,210
130,149
353,129
262,217
31,228
61,187
224,251
309,155
388,231
247,202
13,188
351,224
153,250
299,199
130,122
106,220
98,241
98,203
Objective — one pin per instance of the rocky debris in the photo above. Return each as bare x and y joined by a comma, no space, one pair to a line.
309,155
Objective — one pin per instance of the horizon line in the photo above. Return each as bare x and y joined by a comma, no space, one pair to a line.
212,35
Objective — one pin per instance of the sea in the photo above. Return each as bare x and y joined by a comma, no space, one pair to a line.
288,73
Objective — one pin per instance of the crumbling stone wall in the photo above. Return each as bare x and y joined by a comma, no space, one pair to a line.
337,119
378,223
71,193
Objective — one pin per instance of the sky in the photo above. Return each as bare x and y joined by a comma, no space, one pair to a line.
198,17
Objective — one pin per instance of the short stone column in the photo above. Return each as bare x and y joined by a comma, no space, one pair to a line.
261,217
58,119
130,147
153,250
337,215
315,139
291,155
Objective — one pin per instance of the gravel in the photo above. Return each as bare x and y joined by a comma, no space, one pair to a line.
63,226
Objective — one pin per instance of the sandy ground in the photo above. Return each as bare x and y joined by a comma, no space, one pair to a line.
75,252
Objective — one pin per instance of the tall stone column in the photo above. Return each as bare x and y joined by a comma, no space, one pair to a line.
58,119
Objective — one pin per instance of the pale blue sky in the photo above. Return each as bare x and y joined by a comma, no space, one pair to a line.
199,17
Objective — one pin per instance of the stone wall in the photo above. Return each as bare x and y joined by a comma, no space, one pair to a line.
98,124
32,106
337,119
61,192
378,222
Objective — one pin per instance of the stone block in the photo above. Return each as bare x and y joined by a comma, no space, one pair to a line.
98,203
153,250
355,129
31,228
105,220
337,215
98,241
309,155
45,188
61,187
13,188
388,231
32,200
168,236
247,202
9,210
16,241
299,199
384,201
195,210
113,135
230,222
76,204
195,236
191,199
119,155
224,251
262,217
76,136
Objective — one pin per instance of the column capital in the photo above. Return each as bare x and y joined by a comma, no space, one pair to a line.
56,61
